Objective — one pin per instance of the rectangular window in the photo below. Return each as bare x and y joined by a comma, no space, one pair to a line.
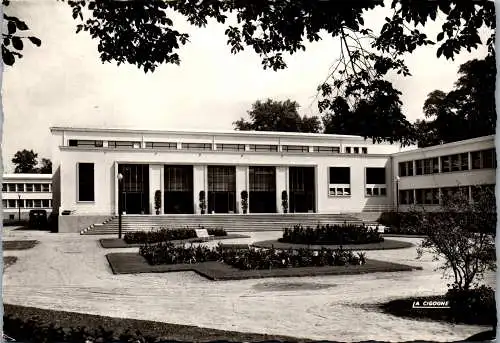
4,203
364,150
406,197
4,187
45,203
446,164
73,142
37,203
464,161
347,150
435,165
428,196
356,150
12,203
45,187
476,159
231,147
410,168
455,162
327,149
295,148
419,167
29,203
402,169
123,144
340,181
20,203
263,148
162,145
419,196
11,187
427,166
37,187
489,158
20,187
85,181
29,187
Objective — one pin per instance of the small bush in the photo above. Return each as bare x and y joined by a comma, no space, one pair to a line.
477,304
331,234
164,235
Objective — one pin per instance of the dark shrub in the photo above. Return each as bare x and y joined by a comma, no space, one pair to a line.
331,234
476,305
164,235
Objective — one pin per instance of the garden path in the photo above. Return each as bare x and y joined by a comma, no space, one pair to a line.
69,272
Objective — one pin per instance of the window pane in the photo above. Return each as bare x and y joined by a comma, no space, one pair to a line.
37,187
29,187
420,167
488,158
410,168
20,203
12,203
427,166
375,176
348,150
356,150
476,159
435,165
402,169
455,162
340,175
446,163
45,187
464,158
365,150
12,187
85,182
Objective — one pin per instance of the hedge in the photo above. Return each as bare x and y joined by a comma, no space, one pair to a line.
163,235
331,234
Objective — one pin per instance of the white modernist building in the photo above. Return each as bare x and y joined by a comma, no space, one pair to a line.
316,173
24,192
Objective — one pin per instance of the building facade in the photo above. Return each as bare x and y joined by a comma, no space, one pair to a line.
424,174
316,173
24,192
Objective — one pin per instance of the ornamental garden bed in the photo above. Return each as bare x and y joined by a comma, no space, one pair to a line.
166,234
331,234
110,243
235,263
19,245
473,307
385,245
29,324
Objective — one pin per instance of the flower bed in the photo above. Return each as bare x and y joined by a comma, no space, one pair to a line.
248,258
331,234
164,235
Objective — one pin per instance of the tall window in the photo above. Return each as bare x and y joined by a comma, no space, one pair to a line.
403,171
45,187
11,187
445,164
419,167
85,181
340,181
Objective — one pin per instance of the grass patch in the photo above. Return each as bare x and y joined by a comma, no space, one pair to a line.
19,245
9,261
133,263
110,243
386,244
18,326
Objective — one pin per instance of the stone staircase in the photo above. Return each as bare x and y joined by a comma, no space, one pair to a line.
229,222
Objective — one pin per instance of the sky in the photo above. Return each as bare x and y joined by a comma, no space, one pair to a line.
64,83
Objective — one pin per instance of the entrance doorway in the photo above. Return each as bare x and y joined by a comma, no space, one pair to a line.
221,189
262,196
178,193
302,190
135,188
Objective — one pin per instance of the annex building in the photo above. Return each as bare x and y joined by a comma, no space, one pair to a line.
316,173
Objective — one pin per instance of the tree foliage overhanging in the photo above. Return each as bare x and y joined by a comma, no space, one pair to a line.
142,33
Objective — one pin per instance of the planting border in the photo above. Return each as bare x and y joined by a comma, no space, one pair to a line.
110,243
133,263
385,245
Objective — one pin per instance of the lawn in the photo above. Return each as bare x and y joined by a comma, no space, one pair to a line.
386,244
19,245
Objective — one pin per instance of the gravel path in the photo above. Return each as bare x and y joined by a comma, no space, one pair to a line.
69,272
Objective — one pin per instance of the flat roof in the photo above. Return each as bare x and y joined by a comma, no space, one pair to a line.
449,145
216,132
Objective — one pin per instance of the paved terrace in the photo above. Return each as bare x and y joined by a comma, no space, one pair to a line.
69,272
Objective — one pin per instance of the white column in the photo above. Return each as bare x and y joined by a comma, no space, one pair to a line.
281,185
162,188
154,185
116,187
241,185
199,184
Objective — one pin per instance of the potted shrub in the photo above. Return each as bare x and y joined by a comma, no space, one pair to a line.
157,201
284,201
244,201
203,203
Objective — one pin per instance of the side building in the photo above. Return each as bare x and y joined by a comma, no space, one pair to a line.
424,174
24,192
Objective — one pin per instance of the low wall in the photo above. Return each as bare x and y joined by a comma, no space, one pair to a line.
367,216
75,223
